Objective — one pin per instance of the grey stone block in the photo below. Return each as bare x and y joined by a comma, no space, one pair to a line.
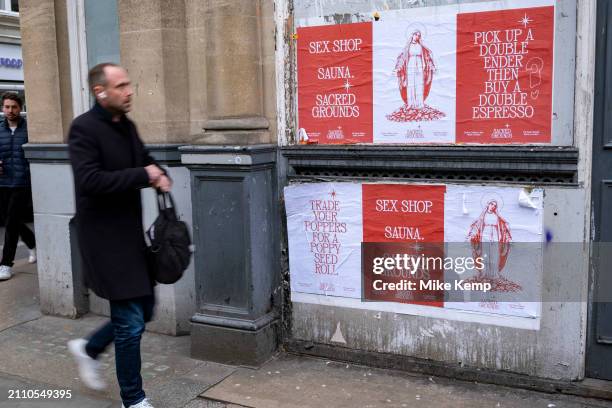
246,347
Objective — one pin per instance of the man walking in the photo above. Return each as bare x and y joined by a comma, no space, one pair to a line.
110,166
15,190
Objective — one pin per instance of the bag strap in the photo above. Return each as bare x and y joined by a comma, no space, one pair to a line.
165,203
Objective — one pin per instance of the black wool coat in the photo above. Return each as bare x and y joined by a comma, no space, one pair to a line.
108,160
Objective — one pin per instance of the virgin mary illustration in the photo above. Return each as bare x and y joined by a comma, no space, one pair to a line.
415,69
490,238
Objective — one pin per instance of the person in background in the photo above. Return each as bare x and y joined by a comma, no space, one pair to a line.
15,188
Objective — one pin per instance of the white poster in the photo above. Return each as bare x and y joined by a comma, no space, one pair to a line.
503,226
414,79
325,232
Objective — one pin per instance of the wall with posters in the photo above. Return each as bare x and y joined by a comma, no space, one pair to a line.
521,337
442,229
356,84
504,329
457,77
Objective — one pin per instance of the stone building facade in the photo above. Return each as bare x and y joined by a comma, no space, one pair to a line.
204,78
215,101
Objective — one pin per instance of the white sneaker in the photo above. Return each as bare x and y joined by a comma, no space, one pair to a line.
142,404
32,257
6,272
89,369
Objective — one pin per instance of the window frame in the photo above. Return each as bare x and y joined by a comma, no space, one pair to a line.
77,41
7,9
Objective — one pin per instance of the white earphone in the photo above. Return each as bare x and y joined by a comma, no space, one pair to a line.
102,95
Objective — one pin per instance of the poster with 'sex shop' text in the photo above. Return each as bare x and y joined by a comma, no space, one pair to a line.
330,224
420,77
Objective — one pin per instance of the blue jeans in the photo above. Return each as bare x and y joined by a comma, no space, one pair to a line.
128,318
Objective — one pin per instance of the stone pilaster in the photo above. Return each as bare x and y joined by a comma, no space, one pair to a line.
236,258
153,45
48,96
234,74
234,190
41,71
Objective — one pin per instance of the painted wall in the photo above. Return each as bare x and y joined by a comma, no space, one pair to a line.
527,346
54,206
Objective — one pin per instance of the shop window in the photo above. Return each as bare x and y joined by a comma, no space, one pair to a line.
9,5
101,31
93,35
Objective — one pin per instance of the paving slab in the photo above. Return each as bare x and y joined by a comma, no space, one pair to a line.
19,300
202,403
177,391
37,350
296,381
34,350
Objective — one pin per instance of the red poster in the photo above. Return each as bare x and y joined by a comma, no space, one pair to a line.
410,216
504,76
335,83
403,213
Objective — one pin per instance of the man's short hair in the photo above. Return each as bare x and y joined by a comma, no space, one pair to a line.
97,76
13,97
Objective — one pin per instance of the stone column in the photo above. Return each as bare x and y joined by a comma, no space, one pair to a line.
234,74
234,195
48,95
153,45
41,71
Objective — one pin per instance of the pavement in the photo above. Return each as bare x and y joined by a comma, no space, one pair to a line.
34,358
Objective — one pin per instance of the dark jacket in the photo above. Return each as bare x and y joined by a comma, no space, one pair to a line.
16,169
108,160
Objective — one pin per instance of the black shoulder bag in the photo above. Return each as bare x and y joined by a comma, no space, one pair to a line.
170,244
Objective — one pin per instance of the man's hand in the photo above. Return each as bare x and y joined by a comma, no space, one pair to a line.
163,183
154,173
